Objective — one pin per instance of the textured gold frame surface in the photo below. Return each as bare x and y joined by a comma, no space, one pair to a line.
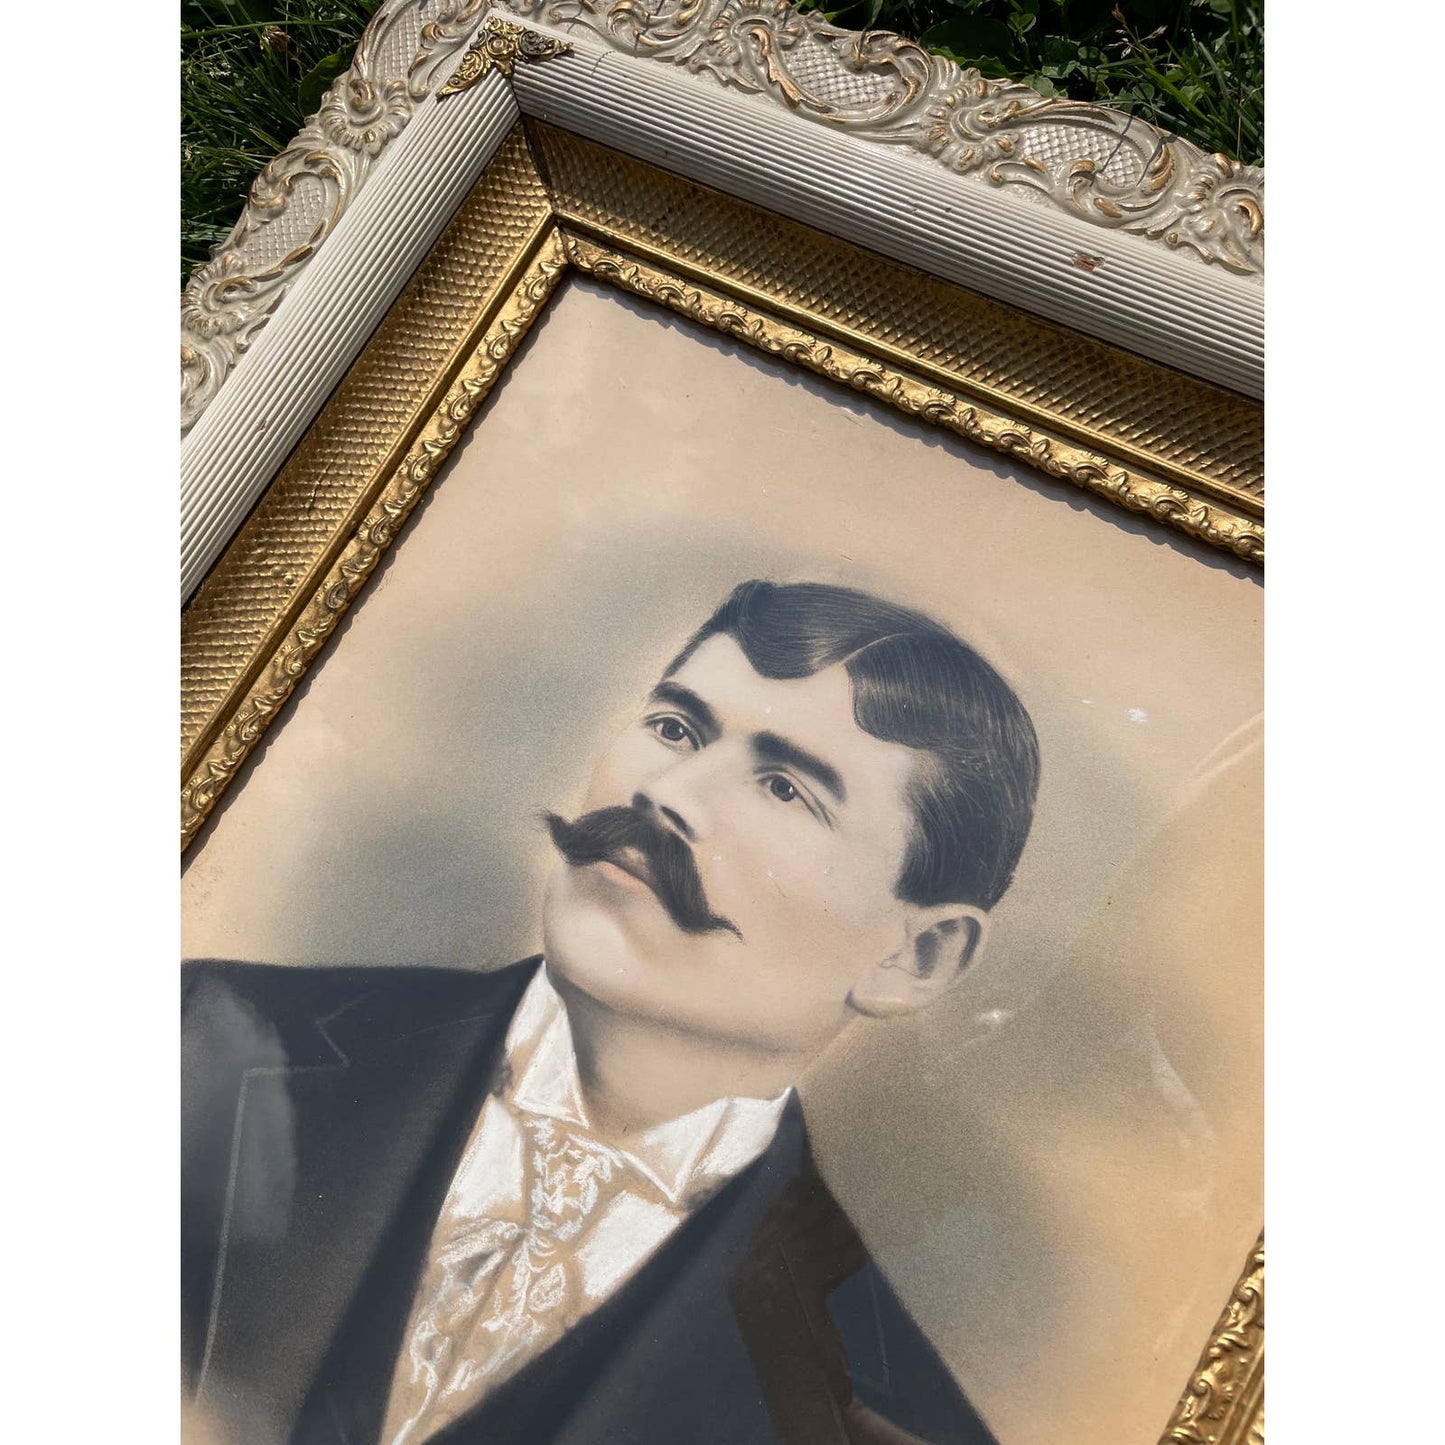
1183,452
1224,1401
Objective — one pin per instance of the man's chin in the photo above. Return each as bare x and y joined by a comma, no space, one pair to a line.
617,947
591,926
592,967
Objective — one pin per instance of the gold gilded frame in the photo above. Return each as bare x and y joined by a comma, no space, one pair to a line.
1182,452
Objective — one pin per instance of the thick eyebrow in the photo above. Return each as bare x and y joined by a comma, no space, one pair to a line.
775,751
674,694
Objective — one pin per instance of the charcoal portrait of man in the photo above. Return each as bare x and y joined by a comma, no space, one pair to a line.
573,1201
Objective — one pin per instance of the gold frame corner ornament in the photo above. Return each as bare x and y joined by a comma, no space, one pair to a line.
498,46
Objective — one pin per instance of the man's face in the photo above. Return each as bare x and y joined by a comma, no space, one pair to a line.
796,821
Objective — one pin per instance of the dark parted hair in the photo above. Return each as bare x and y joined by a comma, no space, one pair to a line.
917,684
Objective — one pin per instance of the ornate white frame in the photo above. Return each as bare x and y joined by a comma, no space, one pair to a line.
1077,213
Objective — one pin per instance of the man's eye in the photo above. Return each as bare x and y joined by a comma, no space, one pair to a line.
782,789
672,730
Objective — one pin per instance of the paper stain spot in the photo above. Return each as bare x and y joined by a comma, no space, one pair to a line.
1137,715
1087,701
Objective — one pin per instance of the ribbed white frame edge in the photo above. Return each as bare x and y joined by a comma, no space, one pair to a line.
260,413
1133,294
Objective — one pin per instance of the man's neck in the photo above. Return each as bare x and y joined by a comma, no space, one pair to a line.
636,1073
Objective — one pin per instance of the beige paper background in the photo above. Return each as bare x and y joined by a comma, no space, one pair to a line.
1061,1168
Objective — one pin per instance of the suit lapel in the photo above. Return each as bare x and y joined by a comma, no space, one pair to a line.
323,1158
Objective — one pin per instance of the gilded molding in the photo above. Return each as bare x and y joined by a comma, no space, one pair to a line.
499,45
1224,1401
1171,426
256,588
298,198
1106,167
1216,524
328,604
1110,169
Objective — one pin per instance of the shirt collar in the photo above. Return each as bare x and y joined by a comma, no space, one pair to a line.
680,1156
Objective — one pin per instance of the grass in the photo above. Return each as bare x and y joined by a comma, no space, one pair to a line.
252,71
1194,67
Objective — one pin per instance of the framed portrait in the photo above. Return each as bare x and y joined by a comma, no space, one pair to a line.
721,753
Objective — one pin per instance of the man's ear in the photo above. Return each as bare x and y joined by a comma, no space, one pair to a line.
939,945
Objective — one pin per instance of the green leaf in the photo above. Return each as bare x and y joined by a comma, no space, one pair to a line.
972,38
317,81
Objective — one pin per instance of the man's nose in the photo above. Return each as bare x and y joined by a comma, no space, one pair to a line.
649,807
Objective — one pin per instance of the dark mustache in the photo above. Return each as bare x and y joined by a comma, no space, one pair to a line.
599,836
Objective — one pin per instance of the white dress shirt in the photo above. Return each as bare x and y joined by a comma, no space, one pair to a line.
543,1221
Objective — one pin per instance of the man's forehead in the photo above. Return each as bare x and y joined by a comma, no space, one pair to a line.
719,672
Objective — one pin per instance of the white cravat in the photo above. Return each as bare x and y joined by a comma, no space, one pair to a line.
543,1221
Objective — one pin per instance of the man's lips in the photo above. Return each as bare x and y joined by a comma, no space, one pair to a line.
633,862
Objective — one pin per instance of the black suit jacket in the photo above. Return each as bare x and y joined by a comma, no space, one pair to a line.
325,1111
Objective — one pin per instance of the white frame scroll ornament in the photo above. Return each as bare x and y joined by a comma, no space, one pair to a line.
1108,169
